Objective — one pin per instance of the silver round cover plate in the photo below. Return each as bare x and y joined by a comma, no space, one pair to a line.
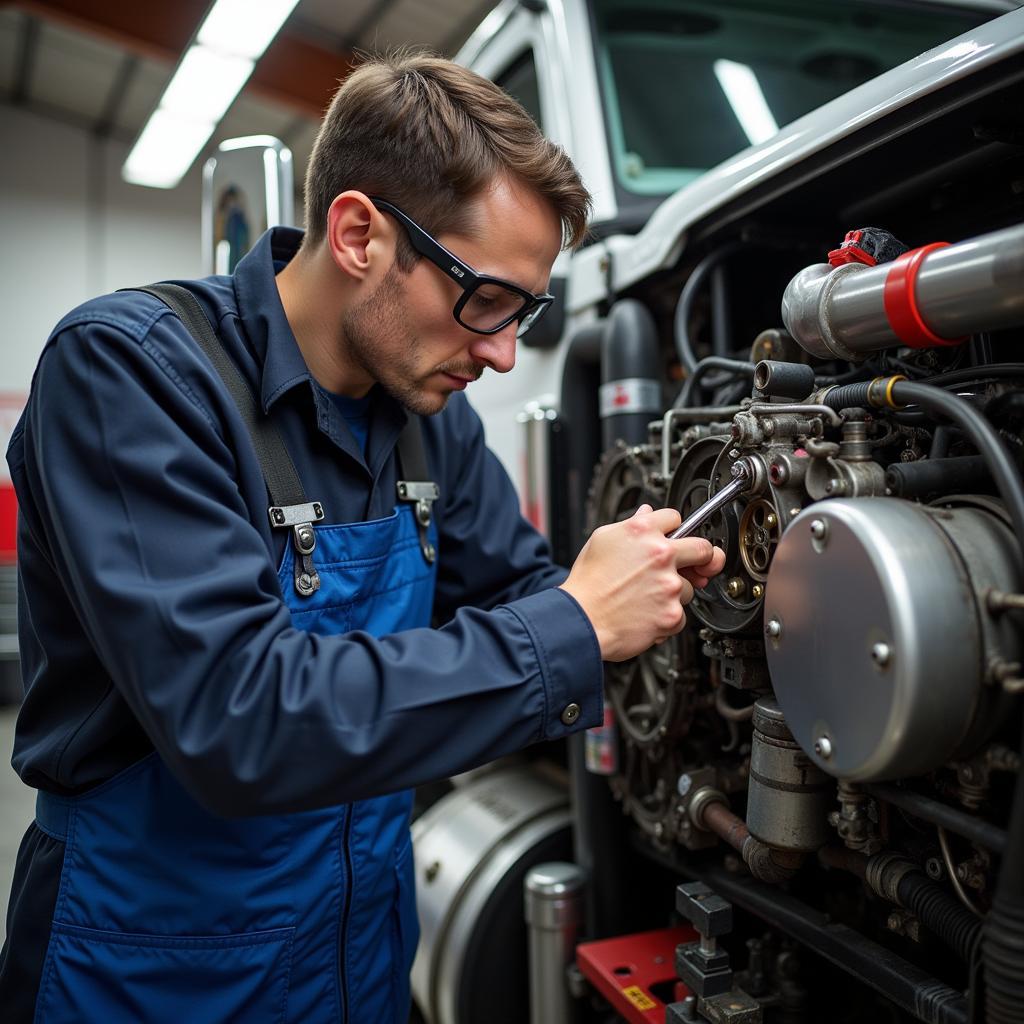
881,651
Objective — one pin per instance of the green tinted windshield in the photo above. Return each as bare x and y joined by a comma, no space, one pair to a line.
687,84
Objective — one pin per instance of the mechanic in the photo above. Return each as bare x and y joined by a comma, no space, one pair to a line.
225,712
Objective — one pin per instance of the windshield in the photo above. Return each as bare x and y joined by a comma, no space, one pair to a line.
688,84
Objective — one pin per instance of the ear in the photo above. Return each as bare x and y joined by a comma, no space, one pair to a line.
358,235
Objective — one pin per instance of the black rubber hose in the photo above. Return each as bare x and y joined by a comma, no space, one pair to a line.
959,822
907,985
685,304
629,352
848,396
941,914
689,395
972,373
975,428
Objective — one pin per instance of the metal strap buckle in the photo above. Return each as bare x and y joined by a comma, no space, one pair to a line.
423,493
293,515
301,518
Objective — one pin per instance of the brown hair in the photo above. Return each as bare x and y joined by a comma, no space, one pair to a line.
427,135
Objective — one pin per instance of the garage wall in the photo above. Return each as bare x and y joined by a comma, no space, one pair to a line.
71,228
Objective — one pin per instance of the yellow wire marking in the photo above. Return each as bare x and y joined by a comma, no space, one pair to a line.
878,401
888,390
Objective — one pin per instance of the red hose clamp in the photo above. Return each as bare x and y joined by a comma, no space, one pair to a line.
899,298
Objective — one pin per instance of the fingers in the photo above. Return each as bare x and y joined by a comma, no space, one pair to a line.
664,520
697,579
694,551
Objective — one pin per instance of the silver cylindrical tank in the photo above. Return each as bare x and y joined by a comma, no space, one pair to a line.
554,904
473,849
789,795
959,290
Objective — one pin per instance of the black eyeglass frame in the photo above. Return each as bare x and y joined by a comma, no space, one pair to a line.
466,277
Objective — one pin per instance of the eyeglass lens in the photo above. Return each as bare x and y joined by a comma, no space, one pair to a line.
490,305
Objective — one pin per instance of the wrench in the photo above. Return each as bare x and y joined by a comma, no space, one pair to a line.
742,478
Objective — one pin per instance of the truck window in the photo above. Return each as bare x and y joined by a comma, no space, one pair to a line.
687,84
519,80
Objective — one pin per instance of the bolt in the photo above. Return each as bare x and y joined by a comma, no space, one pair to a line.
278,516
823,747
318,509
757,590
735,587
773,628
819,528
402,490
881,654
683,784
933,868
771,520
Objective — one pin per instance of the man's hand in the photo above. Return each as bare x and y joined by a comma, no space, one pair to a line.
632,581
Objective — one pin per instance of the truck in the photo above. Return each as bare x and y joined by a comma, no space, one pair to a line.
805,273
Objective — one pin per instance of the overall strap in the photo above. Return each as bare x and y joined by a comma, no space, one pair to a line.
289,507
415,484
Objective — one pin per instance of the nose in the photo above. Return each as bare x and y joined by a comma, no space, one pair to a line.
497,351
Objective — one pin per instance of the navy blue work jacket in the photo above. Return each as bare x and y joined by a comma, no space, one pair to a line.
150,610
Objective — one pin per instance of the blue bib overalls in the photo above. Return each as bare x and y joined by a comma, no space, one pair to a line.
169,913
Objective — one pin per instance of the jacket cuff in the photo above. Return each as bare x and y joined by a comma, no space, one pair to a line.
570,660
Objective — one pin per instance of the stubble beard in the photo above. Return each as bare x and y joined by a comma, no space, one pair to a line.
380,340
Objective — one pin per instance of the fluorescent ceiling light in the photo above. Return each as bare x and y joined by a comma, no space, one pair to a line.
743,91
165,150
244,27
205,84
211,74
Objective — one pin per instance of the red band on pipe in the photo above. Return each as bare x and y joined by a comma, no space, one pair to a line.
899,298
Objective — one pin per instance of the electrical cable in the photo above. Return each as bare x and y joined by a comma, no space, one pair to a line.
684,346
947,859
688,394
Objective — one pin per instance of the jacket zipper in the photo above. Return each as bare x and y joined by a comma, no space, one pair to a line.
346,908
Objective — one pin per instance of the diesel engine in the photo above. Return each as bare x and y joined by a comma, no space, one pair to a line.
832,743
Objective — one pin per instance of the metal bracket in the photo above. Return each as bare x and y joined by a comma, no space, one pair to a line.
295,515
300,518
423,493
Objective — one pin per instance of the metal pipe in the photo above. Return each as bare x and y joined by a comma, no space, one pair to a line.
959,290
553,897
698,414
935,813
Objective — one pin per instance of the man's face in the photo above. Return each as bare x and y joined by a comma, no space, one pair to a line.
403,334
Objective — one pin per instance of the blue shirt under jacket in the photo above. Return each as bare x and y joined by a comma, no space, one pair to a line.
150,609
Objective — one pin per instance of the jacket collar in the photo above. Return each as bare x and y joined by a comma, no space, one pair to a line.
263,316
275,347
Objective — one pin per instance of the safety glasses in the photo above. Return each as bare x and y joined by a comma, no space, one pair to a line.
487,304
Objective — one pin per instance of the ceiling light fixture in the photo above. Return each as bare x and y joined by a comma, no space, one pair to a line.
209,76
743,91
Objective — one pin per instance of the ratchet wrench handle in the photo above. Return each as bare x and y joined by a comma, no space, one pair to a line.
742,478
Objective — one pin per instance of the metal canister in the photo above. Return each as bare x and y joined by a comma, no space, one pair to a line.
789,796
